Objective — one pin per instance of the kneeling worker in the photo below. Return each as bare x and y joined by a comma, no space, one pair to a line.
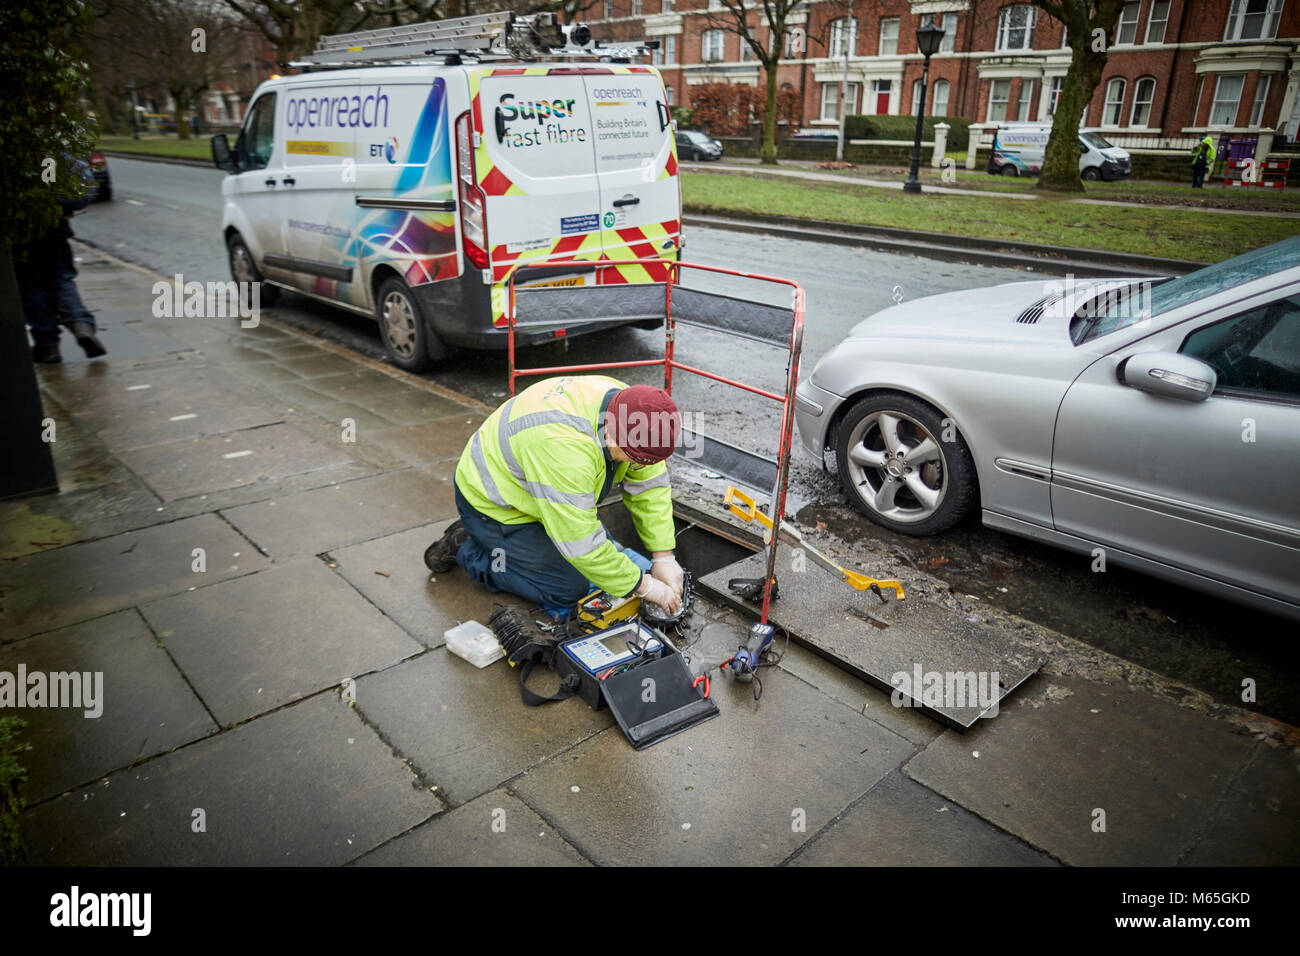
528,483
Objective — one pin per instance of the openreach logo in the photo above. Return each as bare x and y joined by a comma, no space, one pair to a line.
75,908
208,300
947,690
75,689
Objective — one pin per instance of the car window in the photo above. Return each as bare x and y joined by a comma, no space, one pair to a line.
1095,139
1256,352
1203,283
258,137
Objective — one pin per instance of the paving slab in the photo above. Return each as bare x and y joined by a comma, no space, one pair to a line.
496,829
466,729
831,618
1069,747
144,705
65,585
900,823
441,440
734,790
256,643
1258,823
193,414
336,516
390,572
181,469
400,403
309,785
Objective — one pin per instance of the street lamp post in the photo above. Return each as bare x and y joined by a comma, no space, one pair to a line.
928,38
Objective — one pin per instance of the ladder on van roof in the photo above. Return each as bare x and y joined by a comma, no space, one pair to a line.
483,36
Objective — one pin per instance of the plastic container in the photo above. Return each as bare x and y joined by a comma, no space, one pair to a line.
474,643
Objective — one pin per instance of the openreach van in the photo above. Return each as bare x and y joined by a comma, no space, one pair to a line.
1019,150
411,169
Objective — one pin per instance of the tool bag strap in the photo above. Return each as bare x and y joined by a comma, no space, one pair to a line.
567,689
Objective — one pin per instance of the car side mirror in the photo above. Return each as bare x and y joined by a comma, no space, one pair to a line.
222,158
1169,375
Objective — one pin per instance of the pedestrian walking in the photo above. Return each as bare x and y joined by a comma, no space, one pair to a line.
1202,161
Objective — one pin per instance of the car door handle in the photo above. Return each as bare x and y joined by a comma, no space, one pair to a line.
665,115
626,202
289,181
270,182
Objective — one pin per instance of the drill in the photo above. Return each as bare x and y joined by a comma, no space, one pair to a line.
744,662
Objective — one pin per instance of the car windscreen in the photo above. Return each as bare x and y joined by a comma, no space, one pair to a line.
696,137
1096,140
1111,312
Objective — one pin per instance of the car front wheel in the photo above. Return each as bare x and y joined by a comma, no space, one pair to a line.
402,327
904,466
244,270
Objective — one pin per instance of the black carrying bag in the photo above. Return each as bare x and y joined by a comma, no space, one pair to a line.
674,705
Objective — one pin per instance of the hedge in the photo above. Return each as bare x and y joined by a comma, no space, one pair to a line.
904,127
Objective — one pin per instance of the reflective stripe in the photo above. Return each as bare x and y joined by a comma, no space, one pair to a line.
636,487
576,549
577,499
485,476
503,439
507,429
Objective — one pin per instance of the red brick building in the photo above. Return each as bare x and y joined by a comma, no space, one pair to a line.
1177,68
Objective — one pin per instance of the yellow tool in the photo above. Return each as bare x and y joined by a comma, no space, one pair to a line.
860,582
601,609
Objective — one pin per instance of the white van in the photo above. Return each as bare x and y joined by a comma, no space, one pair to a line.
1019,150
411,192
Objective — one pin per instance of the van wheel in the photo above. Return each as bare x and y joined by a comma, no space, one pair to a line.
1091,174
244,269
1009,170
402,326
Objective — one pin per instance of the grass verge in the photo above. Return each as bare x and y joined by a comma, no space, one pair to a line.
169,146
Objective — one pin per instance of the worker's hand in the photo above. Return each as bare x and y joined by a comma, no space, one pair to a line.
656,592
667,570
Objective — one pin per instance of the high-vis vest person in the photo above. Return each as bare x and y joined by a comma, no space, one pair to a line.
528,482
1202,161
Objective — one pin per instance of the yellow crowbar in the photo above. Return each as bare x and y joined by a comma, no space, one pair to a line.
859,582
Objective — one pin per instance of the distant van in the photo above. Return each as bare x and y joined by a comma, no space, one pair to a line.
410,192
1019,150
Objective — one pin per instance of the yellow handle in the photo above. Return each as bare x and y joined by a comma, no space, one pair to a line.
749,514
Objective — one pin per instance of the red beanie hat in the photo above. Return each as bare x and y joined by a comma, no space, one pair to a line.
643,421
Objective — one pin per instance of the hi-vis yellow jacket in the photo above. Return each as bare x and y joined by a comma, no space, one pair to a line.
542,457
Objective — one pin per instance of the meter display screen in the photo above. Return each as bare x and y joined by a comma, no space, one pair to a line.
615,644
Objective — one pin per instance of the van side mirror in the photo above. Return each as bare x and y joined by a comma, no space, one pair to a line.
1169,375
222,157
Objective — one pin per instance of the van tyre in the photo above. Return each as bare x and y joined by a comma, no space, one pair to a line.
406,335
896,468
1091,174
244,269
1009,169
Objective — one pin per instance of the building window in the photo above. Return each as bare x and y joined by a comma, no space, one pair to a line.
609,9
1126,30
916,97
636,8
1261,96
666,55
1054,94
1114,109
1227,98
831,100
843,38
715,4
672,99
1253,20
711,46
949,23
999,95
793,42
746,51
940,105
1157,20
1026,98
889,36
667,6
1016,27
1143,94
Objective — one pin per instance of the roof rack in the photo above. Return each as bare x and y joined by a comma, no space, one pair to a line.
482,36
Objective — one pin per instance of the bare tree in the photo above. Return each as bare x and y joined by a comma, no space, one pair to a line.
294,26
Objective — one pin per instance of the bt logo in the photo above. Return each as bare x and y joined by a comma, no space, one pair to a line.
387,149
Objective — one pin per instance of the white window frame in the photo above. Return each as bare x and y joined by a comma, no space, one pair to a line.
1236,25
666,55
949,42
895,26
1005,27
1152,21
836,40
1217,99
916,97
1026,102
1112,111
830,111
746,51
672,99
1138,101
707,39
666,6
934,97
1133,7
1261,99
993,100
609,9
636,8
1054,94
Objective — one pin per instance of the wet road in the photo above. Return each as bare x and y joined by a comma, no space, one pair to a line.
167,218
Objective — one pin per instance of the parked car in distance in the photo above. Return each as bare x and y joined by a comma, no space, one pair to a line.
692,144
1158,420
1019,150
103,184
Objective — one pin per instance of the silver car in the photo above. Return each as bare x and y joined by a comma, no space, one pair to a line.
1155,420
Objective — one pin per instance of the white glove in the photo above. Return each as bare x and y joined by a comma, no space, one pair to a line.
656,592
667,570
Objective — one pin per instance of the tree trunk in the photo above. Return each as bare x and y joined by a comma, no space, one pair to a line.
1060,171
182,121
768,152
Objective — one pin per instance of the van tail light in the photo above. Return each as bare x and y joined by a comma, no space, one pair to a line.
473,205
97,159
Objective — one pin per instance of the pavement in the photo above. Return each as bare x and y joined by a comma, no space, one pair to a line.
244,568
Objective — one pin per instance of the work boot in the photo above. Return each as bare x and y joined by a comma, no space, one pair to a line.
84,333
440,557
46,353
